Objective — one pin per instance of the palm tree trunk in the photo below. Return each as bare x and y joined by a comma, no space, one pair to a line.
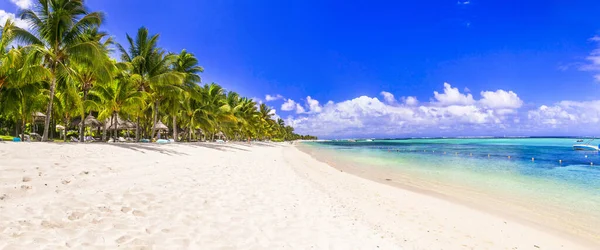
82,122
66,126
175,128
114,134
137,130
155,118
22,128
49,108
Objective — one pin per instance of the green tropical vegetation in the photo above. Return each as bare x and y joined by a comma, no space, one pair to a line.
58,81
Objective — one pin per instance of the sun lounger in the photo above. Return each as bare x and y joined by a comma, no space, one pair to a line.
162,141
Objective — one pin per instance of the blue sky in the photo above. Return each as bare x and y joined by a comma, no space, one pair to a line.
536,58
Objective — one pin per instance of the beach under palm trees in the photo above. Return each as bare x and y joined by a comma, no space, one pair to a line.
61,66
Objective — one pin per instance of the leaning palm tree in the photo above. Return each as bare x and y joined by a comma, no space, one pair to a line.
56,27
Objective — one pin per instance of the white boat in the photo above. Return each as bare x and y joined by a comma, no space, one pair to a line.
586,146
368,140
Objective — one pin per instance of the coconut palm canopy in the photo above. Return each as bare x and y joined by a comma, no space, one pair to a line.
63,68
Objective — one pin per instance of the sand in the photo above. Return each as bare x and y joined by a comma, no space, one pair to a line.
227,196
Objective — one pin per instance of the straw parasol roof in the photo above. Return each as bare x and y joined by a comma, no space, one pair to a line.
60,127
220,134
90,121
39,116
120,124
161,126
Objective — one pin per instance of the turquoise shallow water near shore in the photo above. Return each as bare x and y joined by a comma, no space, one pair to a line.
557,176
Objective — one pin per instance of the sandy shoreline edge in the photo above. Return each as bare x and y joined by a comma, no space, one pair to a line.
503,206
227,196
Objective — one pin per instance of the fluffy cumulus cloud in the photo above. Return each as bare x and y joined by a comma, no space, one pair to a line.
23,4
270,98
500,99
567,117
313,105
452,96
388,97
291,105
448,112
7,15
410,100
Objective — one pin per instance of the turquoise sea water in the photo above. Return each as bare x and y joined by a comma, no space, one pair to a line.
557,175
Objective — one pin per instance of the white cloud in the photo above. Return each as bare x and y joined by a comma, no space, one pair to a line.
500,99
257,100
388,97
23,4
7,15
270,98
300,109
313,105
593,60
410,100
452,96
448,112
288,105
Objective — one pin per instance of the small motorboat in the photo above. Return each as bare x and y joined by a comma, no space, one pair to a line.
579,140
586,146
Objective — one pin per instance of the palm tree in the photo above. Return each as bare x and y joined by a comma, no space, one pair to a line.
23,78
116,98
86,74
187,64
151,65
56,28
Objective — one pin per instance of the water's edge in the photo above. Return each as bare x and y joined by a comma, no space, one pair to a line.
579,228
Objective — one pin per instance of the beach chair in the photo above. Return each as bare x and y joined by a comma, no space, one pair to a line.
121,139
73,139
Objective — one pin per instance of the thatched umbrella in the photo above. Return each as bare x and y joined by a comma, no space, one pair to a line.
61,128
160,127
39,116
220,134
91,121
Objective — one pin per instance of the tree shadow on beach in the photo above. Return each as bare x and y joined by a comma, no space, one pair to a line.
141,147
221,147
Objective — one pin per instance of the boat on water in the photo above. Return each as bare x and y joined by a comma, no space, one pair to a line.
587,146
368,140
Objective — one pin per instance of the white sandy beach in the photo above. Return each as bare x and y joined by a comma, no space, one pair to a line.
228,196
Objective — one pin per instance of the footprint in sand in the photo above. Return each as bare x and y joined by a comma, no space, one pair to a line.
123,239
138,213
26,179
125,209
76,216
48,224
